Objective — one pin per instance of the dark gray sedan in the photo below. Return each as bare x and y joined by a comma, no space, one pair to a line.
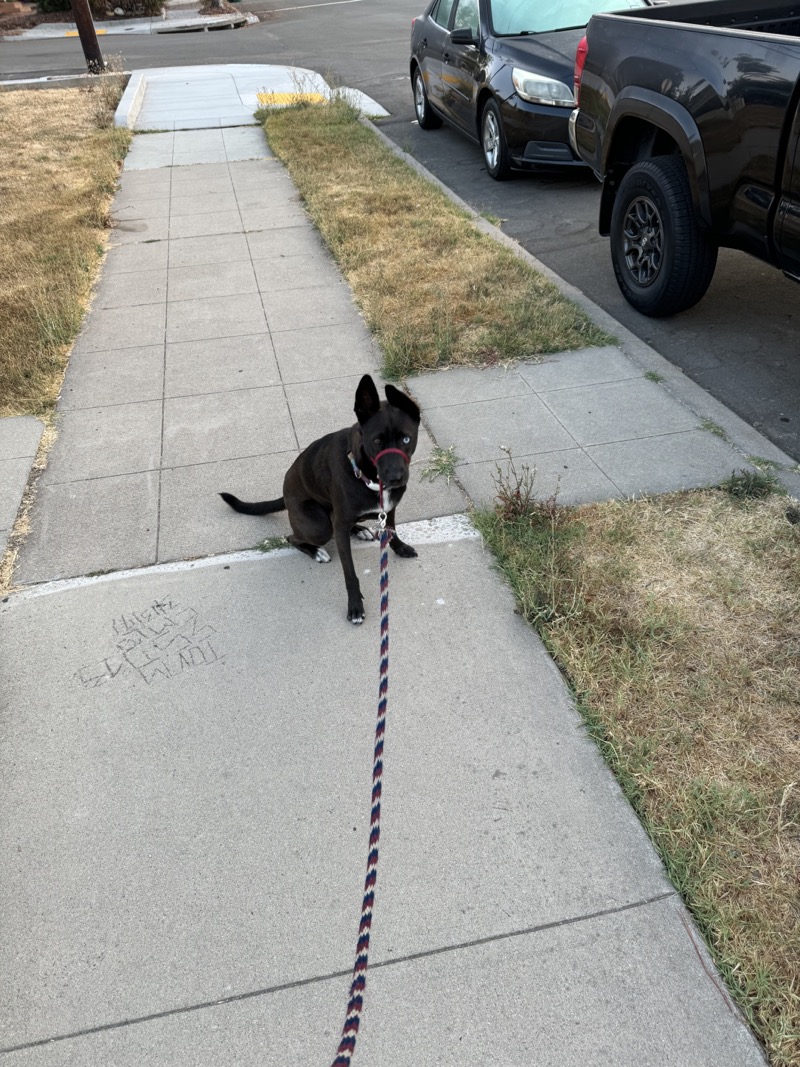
501,71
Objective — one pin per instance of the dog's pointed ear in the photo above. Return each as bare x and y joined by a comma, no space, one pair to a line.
400,400
367,400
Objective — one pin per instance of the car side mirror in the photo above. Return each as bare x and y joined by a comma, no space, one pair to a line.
465,36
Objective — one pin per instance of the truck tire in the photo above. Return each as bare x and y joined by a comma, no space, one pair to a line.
663,259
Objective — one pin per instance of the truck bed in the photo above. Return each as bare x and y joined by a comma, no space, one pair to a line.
776,18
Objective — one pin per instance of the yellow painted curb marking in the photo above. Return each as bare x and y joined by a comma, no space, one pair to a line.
281,99
74,33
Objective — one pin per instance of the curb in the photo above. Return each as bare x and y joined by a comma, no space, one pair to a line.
58,81
233,22
737,433
199,24
131,101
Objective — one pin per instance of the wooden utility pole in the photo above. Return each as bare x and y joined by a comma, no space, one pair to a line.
86,31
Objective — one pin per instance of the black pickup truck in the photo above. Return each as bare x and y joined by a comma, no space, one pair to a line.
690,116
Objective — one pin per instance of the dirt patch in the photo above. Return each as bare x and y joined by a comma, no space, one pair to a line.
58,172
224,9
11,25
15,24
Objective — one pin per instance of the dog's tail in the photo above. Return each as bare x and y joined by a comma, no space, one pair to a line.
262,507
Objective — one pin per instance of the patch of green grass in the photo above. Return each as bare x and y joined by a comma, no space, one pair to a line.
714,428
654,376
764,464
530,537
270,544
442,464
752,485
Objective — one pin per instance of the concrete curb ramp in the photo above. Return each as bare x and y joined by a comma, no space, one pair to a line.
224,94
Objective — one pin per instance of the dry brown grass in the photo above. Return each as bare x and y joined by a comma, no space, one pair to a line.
677,621
433,288
58,167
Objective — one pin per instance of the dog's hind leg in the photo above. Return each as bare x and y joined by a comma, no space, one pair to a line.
311,529
317,552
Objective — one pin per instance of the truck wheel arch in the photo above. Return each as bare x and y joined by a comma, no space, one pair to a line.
644,124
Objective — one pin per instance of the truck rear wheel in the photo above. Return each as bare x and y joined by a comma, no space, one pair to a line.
663,260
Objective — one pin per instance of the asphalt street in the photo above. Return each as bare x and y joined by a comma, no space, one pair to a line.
741,342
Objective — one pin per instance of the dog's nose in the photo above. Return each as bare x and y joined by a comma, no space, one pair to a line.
394,477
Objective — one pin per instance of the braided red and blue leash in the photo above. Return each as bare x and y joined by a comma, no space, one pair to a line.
355,1006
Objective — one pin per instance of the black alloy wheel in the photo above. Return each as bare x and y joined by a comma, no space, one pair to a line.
663,259
426,116
493,143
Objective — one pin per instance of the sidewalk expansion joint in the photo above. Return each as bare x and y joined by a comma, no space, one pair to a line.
300,983
440,530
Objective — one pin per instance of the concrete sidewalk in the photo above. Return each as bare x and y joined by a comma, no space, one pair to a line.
187,743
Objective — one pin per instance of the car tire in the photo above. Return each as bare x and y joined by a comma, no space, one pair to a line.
493,143
426,116
663,258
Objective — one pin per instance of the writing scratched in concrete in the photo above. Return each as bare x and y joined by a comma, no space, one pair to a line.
161,641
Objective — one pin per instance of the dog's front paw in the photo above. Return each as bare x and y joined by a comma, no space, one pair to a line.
361,533
321,556
402,549
355,614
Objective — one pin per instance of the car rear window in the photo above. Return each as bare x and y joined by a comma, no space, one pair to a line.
512,18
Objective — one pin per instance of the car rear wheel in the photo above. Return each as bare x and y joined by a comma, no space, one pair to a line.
426,116
663,259
493,143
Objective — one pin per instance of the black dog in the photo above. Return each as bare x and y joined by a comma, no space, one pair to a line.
335,482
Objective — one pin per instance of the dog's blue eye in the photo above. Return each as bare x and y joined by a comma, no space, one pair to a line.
406,440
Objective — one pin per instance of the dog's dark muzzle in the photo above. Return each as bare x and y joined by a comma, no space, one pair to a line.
393,471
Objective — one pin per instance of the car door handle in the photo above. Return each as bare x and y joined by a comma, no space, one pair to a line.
446,57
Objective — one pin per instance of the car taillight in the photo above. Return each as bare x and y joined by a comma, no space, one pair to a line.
580,63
